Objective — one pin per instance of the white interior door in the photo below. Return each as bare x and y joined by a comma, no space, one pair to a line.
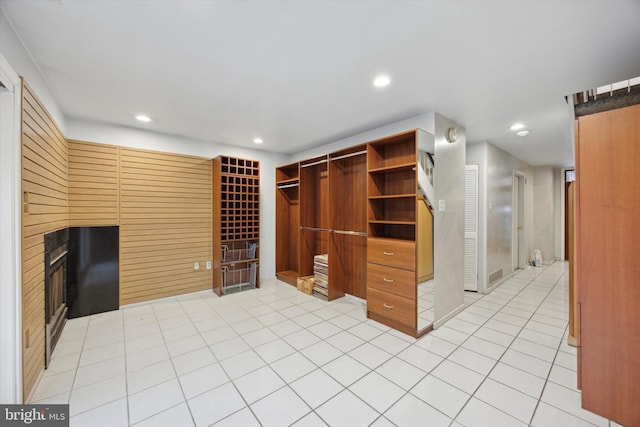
471,228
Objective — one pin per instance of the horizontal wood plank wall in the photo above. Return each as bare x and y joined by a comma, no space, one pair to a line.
165,224
44,186
93,184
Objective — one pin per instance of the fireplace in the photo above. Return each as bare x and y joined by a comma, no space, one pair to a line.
55,287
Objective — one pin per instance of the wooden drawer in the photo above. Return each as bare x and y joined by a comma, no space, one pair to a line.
392,252
394,307
394,280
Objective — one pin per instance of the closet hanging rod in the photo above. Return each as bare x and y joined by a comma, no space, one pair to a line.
280,187
314,229
319,162
350,233
349,155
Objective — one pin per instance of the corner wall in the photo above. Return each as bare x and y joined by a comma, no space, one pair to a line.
449,184
496,169
45,201
20,59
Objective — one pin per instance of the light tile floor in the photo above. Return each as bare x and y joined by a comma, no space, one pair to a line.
276,357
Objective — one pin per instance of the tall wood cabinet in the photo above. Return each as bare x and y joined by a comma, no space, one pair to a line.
360,206
392,223
236,224
607,248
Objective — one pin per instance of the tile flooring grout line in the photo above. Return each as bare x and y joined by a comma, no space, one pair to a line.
510,344
177,378
557,350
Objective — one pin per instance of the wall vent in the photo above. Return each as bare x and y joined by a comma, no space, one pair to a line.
495,276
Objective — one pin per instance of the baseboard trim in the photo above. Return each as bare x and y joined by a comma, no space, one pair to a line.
448,316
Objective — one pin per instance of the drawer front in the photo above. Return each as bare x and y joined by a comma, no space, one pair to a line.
392,252
394,280
394,307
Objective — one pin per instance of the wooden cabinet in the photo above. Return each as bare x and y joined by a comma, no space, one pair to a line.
359,205
607,248
391,246
391,309
236,224
393,280
397,253
287,223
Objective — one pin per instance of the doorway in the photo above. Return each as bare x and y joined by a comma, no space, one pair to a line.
518,253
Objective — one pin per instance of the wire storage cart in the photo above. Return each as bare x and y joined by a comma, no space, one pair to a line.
237,277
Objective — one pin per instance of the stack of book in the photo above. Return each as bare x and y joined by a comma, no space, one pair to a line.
321,276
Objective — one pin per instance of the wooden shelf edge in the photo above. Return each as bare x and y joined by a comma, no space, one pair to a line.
392,222
288,276
393,168
394,196
288,181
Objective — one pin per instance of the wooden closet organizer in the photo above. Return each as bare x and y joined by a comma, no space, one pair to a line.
359,206
236,224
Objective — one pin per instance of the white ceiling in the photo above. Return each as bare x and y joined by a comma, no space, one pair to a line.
298,73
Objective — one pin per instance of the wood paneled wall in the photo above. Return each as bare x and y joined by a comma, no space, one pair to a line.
93,184
161,201
165,224
45,189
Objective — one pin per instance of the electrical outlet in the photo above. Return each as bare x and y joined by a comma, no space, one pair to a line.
208,265
441,206
196,265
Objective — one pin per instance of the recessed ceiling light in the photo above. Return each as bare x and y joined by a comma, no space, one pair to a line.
258,140
522,133
517,126
143,118
381,81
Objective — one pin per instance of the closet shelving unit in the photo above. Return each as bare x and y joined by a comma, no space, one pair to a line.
287,222
391,244
361,206
236,224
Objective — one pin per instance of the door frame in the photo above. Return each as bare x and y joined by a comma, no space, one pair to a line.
10,237
518,257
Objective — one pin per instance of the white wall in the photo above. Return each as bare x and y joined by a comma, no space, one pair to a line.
10,237
449,185
496,168
20,59
136,138
544,219
425,122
